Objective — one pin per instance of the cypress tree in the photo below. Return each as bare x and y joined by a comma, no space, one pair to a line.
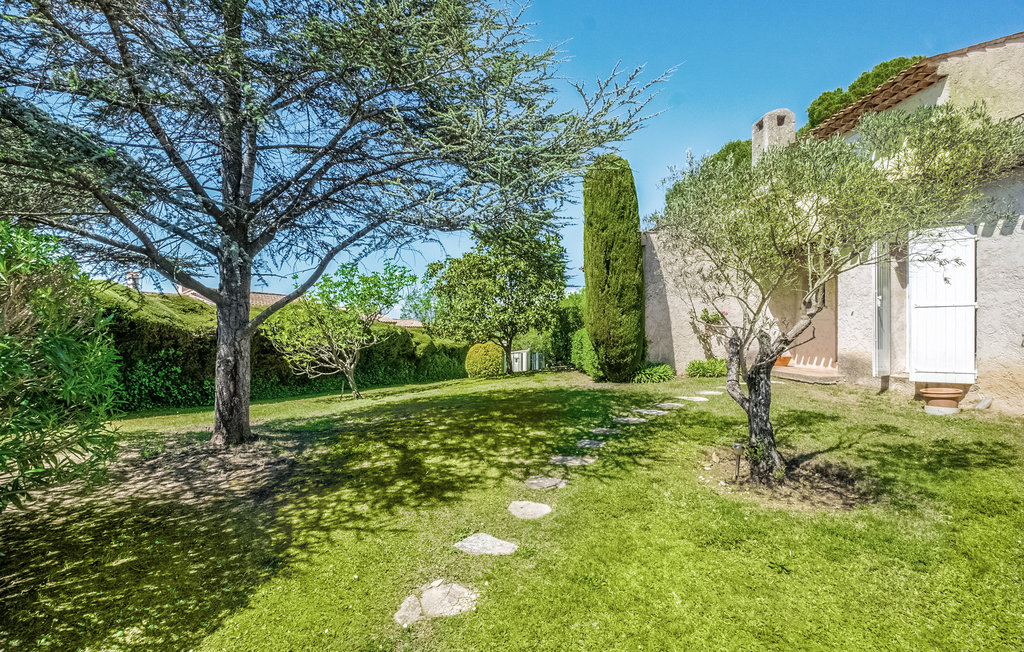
613,268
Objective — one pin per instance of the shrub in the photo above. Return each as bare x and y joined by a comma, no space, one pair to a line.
613,266
583,356
567,319
485,359
713,368
58,370
158,381
654,372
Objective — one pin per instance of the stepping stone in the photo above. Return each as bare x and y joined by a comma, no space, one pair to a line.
606,431
526,509
629,420
695,399
545,482
669,406
589,443
436,599
572,460
653,413
447,600
710,392
409,612
485,544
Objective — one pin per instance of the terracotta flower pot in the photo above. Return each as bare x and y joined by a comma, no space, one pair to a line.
783,360
945,397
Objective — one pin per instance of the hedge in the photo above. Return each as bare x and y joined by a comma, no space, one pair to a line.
167,345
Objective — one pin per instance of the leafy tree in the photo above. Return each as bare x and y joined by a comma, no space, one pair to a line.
614,268
419,305
326,331
224,140
58,369
807,213
507,285
831,102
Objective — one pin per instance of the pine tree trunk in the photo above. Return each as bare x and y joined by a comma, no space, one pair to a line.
766,465
233,369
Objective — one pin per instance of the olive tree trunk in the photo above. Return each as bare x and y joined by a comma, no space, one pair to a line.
766,465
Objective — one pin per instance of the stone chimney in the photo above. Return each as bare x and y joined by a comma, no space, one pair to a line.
133,280
775,129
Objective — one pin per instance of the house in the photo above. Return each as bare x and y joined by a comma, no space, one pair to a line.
903,323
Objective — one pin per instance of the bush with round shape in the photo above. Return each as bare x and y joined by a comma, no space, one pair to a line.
486,359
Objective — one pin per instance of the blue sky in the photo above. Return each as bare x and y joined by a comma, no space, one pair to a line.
736,61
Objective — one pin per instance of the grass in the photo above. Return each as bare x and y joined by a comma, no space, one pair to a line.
312,538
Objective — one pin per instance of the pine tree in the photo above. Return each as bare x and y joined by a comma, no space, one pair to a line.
613,267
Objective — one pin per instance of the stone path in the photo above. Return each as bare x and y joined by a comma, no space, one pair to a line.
436,599
542,482
526,509
448,599
485,544
572,460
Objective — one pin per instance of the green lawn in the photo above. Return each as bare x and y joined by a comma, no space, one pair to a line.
311,539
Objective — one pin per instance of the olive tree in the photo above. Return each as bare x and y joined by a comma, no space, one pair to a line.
811,211
217,143
325,332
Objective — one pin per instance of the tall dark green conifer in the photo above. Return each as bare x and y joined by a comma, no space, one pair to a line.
613,267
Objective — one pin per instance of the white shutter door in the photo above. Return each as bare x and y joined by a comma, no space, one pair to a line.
941,306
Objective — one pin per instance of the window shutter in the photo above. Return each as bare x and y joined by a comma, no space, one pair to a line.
941,305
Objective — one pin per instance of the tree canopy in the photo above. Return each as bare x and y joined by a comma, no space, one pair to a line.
808,212
508,284
831,102
325,332
217,143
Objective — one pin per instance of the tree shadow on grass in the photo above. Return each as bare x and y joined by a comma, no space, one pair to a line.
174,542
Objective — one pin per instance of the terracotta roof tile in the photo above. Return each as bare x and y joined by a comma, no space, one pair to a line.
911,81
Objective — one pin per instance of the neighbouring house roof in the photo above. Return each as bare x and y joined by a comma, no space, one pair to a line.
911,81
264,299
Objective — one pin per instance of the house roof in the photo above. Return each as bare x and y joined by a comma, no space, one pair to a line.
264,299
911,81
